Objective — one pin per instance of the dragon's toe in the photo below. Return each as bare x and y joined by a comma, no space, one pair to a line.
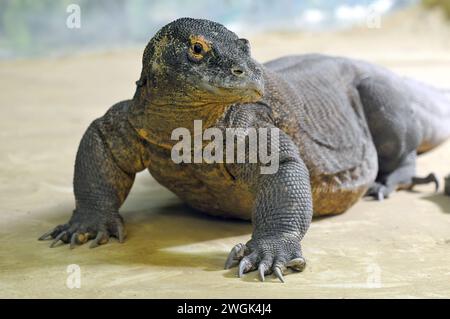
430,178
378,191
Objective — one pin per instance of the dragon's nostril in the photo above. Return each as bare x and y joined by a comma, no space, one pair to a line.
237,71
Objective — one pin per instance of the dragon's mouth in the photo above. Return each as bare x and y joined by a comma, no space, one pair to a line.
250,92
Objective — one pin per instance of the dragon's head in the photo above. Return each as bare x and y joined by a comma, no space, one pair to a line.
194,61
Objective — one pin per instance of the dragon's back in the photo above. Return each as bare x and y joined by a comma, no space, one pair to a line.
315,100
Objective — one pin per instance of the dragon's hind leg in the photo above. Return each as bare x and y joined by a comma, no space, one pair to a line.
396,132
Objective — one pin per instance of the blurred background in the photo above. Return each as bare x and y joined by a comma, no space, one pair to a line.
64,63
39,27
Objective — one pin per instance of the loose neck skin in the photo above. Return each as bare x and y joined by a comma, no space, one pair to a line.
155,115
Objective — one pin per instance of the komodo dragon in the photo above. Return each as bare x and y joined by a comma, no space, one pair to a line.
345,128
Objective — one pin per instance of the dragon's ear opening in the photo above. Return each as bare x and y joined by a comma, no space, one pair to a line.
245,43
140,84
142,80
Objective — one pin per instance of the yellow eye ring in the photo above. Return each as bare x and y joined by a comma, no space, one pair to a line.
199,47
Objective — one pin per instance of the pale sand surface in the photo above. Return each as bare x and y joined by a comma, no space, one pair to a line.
398,248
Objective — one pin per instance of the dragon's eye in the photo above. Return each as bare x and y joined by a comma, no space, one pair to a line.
197,48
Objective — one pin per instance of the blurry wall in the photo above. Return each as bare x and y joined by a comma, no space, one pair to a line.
39,27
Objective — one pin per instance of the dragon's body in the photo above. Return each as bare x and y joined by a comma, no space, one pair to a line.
345,127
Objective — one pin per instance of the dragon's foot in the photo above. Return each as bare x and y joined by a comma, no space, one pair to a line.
378,191
268,255
82,228
381,191
431,178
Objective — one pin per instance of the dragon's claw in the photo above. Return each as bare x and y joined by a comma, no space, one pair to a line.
267,256
378,191
235,255
60,237
279,273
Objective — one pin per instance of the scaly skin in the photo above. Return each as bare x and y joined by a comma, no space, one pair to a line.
344,127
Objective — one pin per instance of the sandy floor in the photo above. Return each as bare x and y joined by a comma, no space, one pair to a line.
398,248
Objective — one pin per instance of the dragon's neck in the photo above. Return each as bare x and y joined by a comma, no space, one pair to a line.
156,118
